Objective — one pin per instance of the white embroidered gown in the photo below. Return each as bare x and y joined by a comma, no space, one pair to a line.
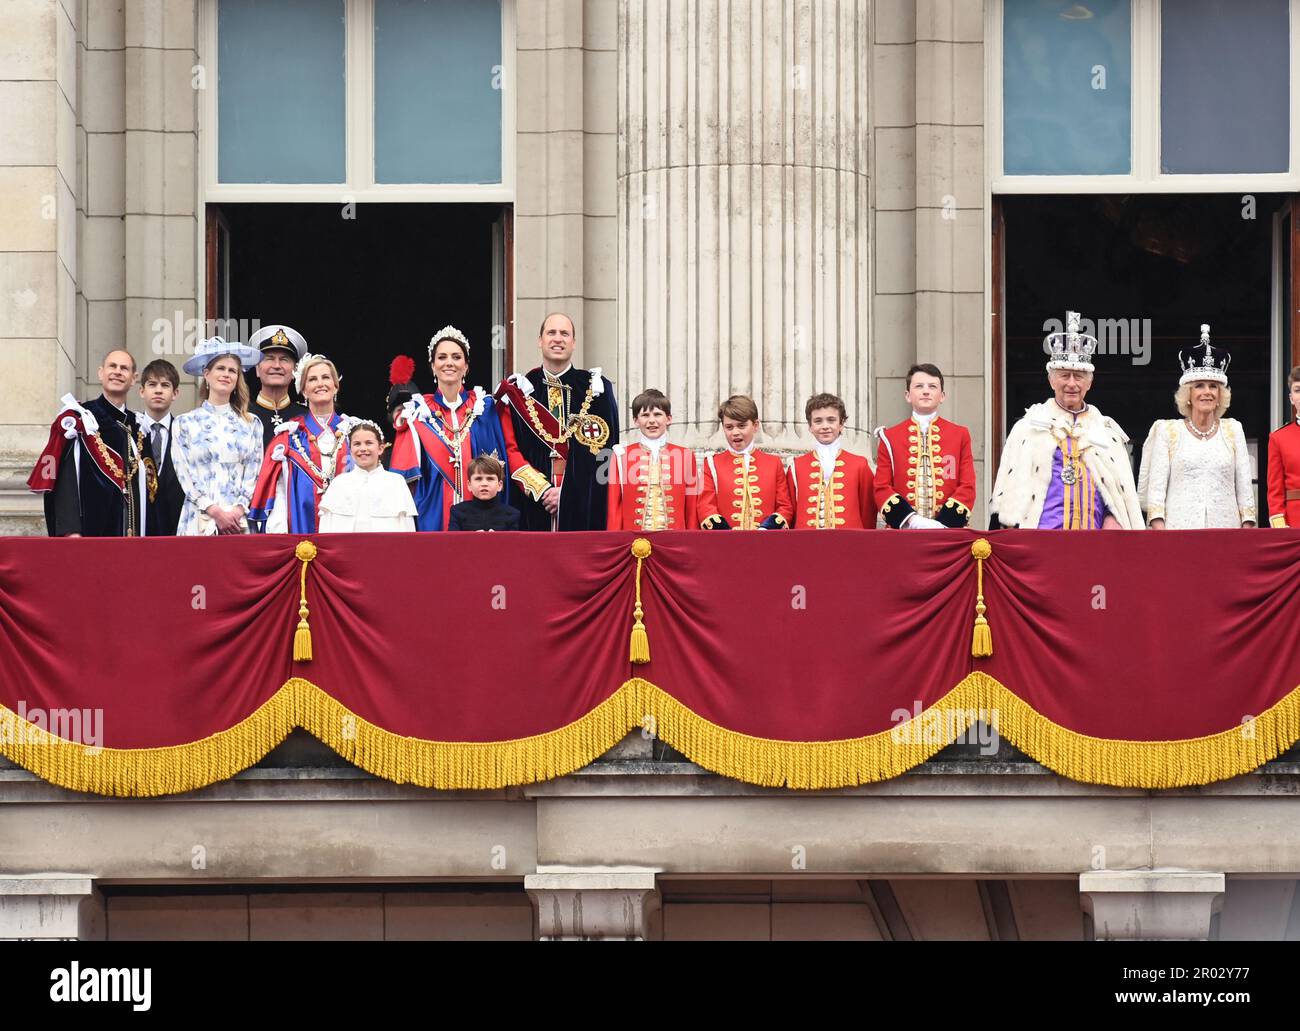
1193,483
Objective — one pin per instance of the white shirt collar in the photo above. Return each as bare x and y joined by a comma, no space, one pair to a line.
149,422
747,450
556,375
827,452
925,420
656,444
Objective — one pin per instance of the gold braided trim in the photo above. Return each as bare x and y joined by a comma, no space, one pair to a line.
533,482
769,762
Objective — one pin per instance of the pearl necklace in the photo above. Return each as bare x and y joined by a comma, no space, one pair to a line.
1203,434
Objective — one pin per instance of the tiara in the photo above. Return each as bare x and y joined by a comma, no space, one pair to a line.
357,424
448,333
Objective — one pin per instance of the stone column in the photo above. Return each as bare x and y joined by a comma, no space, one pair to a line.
50,907
576,904
929,208
162,237
565,206
950,195
39,198
744,258
1135,905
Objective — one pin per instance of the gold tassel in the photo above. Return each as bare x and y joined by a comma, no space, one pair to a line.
981,645
304,553
639,647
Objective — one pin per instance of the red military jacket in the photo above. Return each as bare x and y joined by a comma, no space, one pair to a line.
642,497
731,500
1284,476
846,502
929,471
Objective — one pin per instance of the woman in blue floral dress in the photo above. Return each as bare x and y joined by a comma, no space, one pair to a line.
217,448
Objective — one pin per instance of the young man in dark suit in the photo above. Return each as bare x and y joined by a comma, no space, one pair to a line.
158,385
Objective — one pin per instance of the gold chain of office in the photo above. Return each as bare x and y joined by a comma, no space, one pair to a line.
568,431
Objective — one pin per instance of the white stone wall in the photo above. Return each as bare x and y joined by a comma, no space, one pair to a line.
565,206
40,193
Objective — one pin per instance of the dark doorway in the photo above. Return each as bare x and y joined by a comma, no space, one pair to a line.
365,289
1155,267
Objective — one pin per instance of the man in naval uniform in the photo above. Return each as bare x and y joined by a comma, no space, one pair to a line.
282,349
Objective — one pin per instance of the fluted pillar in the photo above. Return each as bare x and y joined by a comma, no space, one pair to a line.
744,252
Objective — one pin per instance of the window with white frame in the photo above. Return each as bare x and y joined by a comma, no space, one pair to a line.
379,99
1131,95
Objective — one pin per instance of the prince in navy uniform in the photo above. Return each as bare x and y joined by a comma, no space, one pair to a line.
97,472
282,347
563,418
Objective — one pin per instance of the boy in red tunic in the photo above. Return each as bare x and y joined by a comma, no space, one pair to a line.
1284,464
925,472
831,489
653,485
743,488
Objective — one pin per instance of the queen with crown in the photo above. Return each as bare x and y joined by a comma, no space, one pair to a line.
1065,466
1196,470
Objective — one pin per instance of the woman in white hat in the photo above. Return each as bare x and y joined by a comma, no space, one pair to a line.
217,448
1196,470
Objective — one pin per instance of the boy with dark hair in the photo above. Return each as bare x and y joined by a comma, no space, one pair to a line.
925,471
1284,463
485,510
832,489
751,480
653,485
159,383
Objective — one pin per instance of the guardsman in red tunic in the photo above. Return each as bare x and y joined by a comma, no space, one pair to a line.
1284,464
653,485
743,488
831,489
925,472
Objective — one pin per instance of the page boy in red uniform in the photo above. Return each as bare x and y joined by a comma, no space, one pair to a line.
831,489
653,484
743,488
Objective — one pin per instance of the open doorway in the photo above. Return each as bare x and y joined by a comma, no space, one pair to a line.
367,288
1148,270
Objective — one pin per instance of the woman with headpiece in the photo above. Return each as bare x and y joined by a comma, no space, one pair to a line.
367,498
1196,470
217,448
439,434
305,455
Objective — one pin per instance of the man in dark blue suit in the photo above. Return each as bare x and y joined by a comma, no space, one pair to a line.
159,383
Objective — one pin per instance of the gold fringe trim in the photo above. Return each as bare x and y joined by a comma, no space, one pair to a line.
811,765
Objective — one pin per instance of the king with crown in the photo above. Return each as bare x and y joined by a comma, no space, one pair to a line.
1065,466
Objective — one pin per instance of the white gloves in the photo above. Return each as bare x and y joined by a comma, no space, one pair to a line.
920,522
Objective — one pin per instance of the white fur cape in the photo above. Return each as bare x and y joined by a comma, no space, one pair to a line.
1021,487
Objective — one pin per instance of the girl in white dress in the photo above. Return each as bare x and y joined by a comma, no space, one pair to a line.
368,498
1196,471
217,448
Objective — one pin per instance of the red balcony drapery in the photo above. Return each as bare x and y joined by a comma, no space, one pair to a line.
795,659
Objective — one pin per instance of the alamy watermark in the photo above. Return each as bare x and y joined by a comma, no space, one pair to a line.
943,726
36,726
1128,337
